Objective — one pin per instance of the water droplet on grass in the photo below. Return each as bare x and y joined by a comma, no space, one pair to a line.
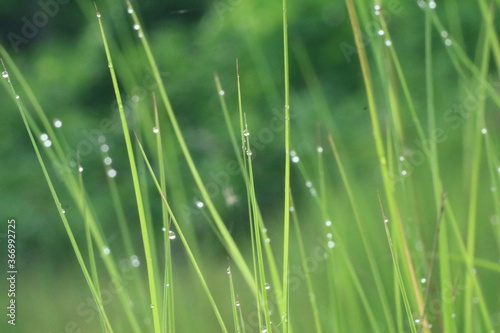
295,159
221,92
130,11
104,148
80,169
135,261
44,137
444,33
163,229
328,223
17,97
152,306
484,131
388,43
228,270
319,149
107,160
331,244
432,4
403,172
423,280
199,204
171,235
329,235
380,32
447,42
47,143
263,329
268,240
386,220
98,15
308,184
246,133
57,123
156,130
5,74
106,250
249,152
137,27
63,211
292,209
237,303
267,286
111,173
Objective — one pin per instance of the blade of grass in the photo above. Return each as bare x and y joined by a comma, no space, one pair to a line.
151,269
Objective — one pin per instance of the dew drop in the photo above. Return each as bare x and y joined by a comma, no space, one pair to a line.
104,148
319,149
163,229
292,209
423,280
453,315
484,131
386,220
44,137
130,11
417,321
267,286
17,97
155,130
295,159
249,152
63,211
246,133
80,169
221,92
140,35
47,143
98,14
313,192
237,303
293,153
106,250
401,158
422,4
171,235
199,204
329,235
111,173
135,261
377,7
57,123
152,306
5,74
331,244
101,139
228,270
137,27
475,300
444,33
403,172
432,4
108,160
388,43
447,42
380,32
263,329
328,223
268,240
308,184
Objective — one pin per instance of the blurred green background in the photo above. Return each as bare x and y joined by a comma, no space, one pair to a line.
65,65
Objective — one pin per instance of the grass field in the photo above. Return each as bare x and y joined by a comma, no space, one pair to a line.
271,167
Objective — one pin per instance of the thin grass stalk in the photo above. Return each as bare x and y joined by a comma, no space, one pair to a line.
151,268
